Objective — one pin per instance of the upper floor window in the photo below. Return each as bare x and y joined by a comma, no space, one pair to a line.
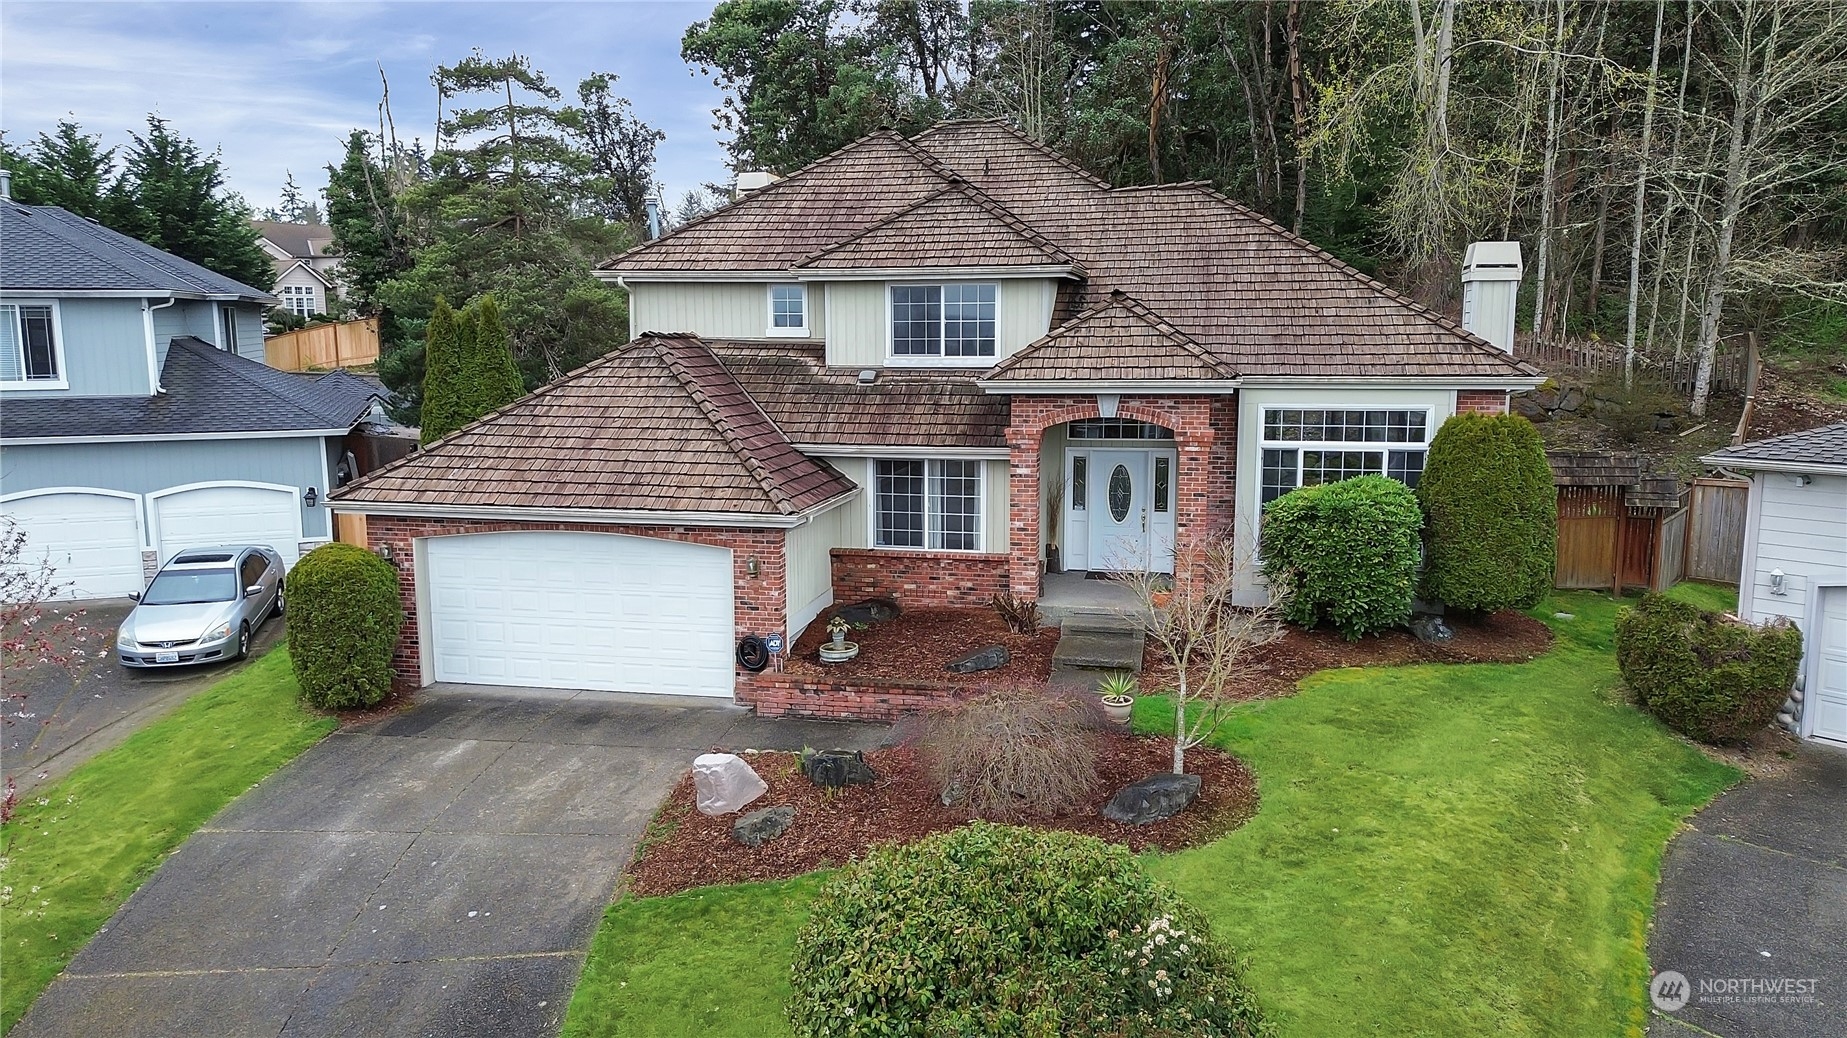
227,321
788,310
299,299
1303,447
29,348
946,321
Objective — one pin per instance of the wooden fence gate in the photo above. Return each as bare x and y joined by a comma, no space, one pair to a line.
1715,529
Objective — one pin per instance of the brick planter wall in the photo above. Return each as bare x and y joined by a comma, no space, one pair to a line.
762,602
787,695
917,578
1481,401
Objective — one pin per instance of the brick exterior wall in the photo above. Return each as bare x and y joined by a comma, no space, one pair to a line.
785,695
1205,488
762,602
1481,401
916,578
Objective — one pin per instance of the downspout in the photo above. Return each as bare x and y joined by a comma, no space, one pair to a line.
623,285
153,348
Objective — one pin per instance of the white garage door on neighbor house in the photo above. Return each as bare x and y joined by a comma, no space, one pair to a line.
90,538
579,610
1829,698
227,513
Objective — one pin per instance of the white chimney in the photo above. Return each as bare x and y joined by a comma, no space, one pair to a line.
1491,272
755,180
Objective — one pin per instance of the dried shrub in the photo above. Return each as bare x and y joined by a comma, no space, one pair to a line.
1013,752
1021,615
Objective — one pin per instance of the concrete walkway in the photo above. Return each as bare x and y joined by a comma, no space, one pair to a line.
437,873
1757,891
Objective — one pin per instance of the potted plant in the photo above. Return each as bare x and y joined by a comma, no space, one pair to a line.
837,628
1054,515
838,650
1118,692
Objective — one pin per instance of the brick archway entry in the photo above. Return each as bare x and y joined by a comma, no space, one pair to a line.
1205,437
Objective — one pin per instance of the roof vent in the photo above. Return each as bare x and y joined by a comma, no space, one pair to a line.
1491,272
755,180
868,376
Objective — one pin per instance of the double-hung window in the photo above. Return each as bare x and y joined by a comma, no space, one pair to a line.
788,310
927,504
943,321
29,353
1303,447
298,299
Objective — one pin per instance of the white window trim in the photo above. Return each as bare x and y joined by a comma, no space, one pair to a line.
1383,447
769,311
981,506
63,381
940,361
291,294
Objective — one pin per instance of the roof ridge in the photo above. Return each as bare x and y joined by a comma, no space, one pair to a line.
199,347
1331,260
1119,300
1041,146
969,191
754,465
1160,323
758,193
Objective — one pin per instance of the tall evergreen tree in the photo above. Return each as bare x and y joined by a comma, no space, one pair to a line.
172,196
492,376
67,168
445,388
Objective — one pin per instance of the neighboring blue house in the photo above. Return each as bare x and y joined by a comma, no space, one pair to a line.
137,417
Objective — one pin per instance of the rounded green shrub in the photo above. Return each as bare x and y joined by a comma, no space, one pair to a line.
1344,553
344,617
1707,676
995,930
1490,514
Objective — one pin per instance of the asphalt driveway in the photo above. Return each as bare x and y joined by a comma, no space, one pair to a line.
57,717
1754,896
437,873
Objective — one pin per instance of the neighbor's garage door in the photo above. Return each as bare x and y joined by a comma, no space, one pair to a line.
92,541
580,610
1829,700
199,517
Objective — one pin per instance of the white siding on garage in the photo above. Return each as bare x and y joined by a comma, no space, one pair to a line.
1801,530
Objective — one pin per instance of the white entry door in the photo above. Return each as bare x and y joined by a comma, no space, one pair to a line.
1118,507
580,610
227,513
1828,697
91,540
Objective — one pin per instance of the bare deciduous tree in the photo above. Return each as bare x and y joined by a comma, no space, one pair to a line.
31,633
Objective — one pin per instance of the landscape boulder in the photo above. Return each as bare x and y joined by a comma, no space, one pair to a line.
1430,628
873,610
760,827
724,783
1152,799
982,659
836,768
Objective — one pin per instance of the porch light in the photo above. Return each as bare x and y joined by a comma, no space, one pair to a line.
1801,479
310,497
752,567
1779,583
384,551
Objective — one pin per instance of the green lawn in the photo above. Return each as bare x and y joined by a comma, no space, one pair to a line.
1441,850
1706,596
75,851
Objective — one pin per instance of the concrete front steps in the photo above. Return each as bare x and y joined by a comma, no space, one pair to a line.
1094,645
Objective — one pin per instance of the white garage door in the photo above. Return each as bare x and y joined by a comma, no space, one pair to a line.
200,517
580,610
1829,700
92,541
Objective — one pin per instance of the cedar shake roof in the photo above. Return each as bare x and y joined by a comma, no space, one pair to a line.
1823,448
955,227
1627,472
658,425
815,404
1120,339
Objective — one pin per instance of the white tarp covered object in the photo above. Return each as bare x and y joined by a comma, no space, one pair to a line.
725,783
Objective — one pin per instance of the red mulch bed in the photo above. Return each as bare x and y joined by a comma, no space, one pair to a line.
685,849
918,644
1509,636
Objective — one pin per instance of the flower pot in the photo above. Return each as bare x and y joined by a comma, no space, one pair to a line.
1054,562
1118,708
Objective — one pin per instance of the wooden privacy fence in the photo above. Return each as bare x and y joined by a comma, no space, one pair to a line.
1730,366
1620,527
1715,529
346,344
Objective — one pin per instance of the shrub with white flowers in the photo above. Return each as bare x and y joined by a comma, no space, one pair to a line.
1003,931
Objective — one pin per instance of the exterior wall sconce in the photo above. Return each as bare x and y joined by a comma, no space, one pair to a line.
384,552
1779,582
310,497
1801,479
753,567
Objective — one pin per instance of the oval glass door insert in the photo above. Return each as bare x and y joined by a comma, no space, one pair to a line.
1119,493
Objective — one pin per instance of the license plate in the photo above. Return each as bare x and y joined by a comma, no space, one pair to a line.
166,657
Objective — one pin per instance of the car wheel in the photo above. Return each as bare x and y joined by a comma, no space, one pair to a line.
243,641
276,610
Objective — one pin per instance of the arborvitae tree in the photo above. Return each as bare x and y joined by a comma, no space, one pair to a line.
493,377
172,196
445,388
1490,514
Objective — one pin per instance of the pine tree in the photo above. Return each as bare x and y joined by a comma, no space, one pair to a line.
444,390
68,168
172,196
493,377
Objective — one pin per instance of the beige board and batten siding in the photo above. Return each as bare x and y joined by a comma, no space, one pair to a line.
859,319
808,554
1799,529
855,530
717,310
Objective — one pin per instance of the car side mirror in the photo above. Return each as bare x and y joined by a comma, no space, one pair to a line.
134,596
254,589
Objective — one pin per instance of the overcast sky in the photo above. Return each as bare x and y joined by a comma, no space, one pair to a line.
279,85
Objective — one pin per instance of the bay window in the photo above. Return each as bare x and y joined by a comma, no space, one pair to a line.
927,504
1304,447
943,321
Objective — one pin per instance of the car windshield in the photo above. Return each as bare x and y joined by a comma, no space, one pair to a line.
191,586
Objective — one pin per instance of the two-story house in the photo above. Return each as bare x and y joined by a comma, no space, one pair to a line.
307,271
136,415
914,369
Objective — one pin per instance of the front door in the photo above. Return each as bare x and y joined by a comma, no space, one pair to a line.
1118,510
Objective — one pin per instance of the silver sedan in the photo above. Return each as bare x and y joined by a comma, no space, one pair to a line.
203,606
